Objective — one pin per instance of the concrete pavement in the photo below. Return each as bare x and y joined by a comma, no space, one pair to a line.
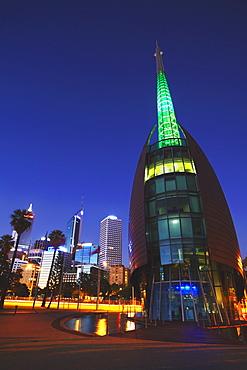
36,340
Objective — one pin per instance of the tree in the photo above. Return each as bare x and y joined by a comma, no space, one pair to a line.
20,223
6,243
56,276
57,239
16,286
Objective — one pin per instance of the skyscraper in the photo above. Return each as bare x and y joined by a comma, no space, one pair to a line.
184,255
73,232
110,242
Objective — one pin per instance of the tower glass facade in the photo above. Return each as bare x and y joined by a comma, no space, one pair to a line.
73,232
87,254
184,254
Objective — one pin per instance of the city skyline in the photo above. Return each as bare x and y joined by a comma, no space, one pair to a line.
77,98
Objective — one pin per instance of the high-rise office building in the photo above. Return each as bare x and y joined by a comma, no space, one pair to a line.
110,242
73,232
184,255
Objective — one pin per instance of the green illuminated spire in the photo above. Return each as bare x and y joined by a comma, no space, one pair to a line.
168,128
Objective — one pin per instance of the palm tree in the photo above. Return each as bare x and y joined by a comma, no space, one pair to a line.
6,243
57,238
20,222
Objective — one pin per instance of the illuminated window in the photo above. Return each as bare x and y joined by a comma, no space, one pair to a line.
168,166
159,169
151,171
189,166
174,227
165,255
177,253
178,165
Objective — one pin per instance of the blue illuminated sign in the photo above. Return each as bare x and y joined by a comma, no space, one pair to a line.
187,289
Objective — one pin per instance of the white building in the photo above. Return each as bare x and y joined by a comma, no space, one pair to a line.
110,242
18,264
46,266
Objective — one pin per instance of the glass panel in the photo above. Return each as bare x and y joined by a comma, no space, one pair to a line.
151,171
162,207
168,166
183,204
178,165
163,229
194,204
189,166
151,188
187,231
181,182
172,205
176,152
159,155
167,153
170,184
146,173
177,253
159,169
191,181
197,227
165,255
185,153
160,186
174,227
153,232
151,159
152,211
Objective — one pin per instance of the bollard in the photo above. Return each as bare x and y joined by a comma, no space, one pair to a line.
15,309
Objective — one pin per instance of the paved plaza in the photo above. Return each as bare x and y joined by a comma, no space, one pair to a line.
36,340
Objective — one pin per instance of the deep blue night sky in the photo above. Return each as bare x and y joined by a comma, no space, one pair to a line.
78,99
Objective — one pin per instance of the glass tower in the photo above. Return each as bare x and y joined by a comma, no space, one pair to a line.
73,232
184,255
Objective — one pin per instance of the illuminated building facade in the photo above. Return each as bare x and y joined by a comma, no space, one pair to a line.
35,256
30,273
47,261
73,232
119,275
184,255
86,253
110,242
